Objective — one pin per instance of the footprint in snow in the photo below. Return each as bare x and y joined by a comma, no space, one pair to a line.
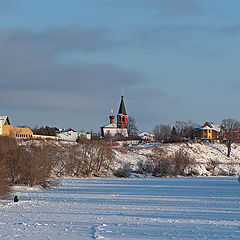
98,230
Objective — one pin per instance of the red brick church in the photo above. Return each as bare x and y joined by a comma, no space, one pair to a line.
120,128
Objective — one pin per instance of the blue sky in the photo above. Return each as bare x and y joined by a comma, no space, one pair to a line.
66,63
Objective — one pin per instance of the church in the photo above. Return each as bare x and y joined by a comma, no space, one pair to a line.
113,129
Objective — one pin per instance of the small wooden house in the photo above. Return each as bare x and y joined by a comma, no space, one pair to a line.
209,131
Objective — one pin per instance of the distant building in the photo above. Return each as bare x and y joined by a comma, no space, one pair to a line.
146,137
120,128
71,135
6,129
209,131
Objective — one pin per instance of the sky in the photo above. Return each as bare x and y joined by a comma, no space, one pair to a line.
65,63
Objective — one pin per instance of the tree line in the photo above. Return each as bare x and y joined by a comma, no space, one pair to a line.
35,163
181,131
185,130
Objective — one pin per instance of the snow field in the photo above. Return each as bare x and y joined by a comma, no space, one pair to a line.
135,208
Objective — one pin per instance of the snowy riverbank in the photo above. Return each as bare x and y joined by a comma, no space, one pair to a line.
211,159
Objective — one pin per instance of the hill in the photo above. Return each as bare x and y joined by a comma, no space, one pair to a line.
210,159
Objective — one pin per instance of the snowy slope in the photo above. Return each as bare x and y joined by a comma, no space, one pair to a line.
204,153
133,208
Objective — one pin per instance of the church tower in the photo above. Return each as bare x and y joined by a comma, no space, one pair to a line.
122,117
111,117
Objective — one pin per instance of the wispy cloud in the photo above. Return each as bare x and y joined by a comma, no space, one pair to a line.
166,7
58,39
3,4
180,7
231,29
30,69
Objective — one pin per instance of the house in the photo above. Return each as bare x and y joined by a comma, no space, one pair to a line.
120,128
6,129
209,131
71,135
146,137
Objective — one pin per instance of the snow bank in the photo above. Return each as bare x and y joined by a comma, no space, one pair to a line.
210,158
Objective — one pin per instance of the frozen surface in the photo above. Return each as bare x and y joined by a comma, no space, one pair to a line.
135,208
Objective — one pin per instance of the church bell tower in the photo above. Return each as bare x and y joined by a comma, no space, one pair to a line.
122,117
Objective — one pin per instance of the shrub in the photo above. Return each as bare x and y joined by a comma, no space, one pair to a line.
181,161
123,172
8,153
140,167
35,165
88,158
161,165
4,183
28,165
211,166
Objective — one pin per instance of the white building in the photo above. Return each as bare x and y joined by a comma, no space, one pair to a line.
146,137
120,128
71,135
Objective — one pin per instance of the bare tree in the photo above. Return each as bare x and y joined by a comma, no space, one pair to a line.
231,130
132,128
162,132
161,163
185,129
7,155
88,158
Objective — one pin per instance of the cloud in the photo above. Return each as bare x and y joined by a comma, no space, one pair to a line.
180,7
166,7
32,73
3,5
171,36
58,39
49,100
232,29
201,41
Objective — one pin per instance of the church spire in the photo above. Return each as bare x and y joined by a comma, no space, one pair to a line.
122,118
122,109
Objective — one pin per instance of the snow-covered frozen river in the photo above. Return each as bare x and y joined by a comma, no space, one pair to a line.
134,208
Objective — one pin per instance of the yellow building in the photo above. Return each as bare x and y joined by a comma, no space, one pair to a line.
209,131
6,129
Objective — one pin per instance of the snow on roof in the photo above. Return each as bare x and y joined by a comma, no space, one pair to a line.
213,127
112,125
206,128
145,134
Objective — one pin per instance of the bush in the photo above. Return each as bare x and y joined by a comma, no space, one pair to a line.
35,165
4,183
161,165
123,172
87,158
8,152
181,161
28,165
211,166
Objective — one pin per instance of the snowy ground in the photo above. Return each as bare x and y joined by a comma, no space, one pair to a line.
203,153
134,208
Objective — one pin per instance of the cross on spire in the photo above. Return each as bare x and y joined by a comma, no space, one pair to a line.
122,109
